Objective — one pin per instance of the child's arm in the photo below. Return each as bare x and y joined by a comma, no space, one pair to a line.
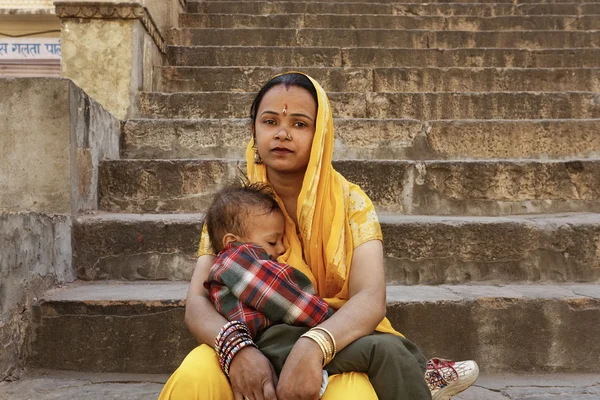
272,289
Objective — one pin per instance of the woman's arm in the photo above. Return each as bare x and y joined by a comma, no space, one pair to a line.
250,372
201,318
366,307
357,318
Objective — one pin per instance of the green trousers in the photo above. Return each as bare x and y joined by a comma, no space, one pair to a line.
395,366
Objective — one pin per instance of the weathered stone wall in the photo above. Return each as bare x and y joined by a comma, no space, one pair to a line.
35,253
53,137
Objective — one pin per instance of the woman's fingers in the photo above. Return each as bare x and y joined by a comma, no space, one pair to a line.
269,391
302,372
238,396
251,374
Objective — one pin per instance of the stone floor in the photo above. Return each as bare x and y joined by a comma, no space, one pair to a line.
41,385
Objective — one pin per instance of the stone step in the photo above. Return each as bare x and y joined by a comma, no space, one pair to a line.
255,56
490,187
377,21
281,7
418,249
382,38
304,57
250,79
377,2
421,106
43,384
493,9
100,386
430,8
375,139
139,328
337,79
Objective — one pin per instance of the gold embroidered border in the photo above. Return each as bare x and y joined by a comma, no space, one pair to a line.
107,10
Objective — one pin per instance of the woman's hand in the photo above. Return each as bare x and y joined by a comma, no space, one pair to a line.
252,375
302,372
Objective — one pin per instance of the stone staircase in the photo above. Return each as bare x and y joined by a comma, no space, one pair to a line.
474,127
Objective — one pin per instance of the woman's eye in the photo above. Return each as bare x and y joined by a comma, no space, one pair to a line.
272,243
269,121
301,124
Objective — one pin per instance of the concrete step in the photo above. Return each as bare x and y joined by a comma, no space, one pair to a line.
382,38
100,386
444,9
138,327
421,106
496,187
378,21
391,139
418,249
337,79
376,57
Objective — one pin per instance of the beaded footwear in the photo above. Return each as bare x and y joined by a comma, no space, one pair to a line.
447,378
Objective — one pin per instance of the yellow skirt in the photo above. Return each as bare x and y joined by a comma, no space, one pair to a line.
199,377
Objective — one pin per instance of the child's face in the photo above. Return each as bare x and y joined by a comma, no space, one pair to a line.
266,230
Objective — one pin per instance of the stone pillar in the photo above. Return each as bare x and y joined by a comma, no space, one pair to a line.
109,50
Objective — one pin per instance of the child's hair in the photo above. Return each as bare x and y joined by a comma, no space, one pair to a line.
231,206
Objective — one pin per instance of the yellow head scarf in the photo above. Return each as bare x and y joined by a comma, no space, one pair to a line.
322,216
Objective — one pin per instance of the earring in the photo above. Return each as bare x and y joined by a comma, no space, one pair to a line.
257,159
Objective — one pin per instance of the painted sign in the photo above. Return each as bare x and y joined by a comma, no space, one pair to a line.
29,49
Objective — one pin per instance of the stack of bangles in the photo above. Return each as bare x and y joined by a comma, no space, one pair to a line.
327,345
233,337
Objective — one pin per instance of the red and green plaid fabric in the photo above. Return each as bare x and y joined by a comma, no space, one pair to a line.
246,285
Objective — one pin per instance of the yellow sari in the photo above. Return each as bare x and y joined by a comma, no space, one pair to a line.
335,217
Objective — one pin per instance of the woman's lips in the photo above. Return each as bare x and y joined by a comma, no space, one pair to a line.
281,150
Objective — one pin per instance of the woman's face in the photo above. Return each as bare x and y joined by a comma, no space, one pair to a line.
285,127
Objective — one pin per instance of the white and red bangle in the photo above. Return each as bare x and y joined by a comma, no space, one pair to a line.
232,337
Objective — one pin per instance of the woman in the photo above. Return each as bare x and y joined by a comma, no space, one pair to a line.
332,235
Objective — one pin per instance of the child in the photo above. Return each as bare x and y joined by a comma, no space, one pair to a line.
278,303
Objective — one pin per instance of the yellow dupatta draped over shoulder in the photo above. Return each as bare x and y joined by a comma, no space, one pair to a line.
323,210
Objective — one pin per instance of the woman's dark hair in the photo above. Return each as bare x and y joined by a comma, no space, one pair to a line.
231,206
291,79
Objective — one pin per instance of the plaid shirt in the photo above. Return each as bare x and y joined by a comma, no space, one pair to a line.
246,285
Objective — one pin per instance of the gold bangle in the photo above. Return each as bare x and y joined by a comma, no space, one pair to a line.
327,345
319,343
323,344
330,336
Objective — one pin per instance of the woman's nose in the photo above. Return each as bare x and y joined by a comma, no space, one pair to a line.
282,134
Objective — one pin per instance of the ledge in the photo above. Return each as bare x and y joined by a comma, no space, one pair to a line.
109,10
